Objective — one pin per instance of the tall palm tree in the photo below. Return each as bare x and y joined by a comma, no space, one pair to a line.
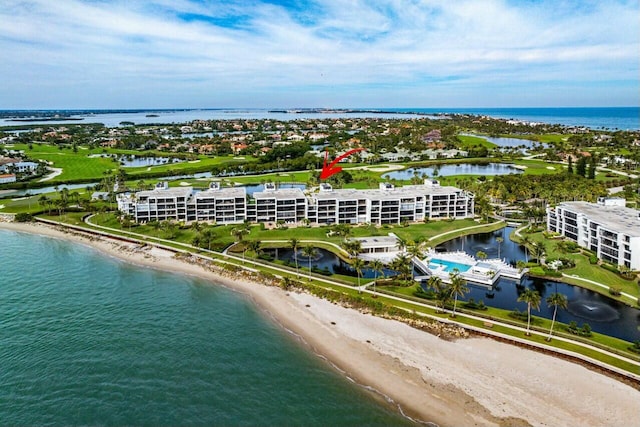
402,265
499,240
526,241
294,244
532,298
415,250
457,288
538,251
238,234
556,300
358,265
378,267
254,245
439,288
309,251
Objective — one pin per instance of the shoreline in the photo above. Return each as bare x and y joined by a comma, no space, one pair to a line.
473,381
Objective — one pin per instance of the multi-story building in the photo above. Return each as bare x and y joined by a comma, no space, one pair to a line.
159,204
390,205
386,205
607,228
219,205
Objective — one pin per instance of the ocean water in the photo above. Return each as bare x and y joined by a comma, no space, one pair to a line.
623,118
615,118
89,340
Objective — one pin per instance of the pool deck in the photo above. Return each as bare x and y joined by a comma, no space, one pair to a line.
483,272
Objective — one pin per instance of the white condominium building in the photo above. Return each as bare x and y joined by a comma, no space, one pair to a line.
607,228
386,205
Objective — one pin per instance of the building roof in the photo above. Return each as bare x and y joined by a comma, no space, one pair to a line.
224,192
284,194
386,194
377,241
168,192
615,218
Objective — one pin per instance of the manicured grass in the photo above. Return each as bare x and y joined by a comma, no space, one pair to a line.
587,270
79,166
467,142
539,167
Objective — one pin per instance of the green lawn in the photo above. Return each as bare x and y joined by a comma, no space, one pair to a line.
80,166
587,271
467,142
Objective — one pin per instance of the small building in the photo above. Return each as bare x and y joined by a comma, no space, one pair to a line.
7,178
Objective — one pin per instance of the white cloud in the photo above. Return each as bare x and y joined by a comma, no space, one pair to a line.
340,47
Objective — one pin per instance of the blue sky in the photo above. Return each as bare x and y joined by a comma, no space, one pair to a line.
330,53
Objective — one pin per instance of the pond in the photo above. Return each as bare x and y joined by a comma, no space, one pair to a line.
323,261
42,190
135,162
505,142
488,169
603,314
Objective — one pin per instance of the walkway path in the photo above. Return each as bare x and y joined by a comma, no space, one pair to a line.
55,172
460,229
575,276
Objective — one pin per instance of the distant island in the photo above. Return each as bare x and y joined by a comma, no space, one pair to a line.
46,119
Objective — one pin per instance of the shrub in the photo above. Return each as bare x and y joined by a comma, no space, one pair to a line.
615,291
635,347
593,259
23,217
610,268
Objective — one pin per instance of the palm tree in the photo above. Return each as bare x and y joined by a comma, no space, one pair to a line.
238,234
526,241
402,265
309,251
353,247
532,298
294,244
481,255
378,267
457,288
43,202
254,245
538,251
358,265
439,288
556,300
415,249
499,240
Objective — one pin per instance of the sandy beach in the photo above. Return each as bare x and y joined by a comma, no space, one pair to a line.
466,382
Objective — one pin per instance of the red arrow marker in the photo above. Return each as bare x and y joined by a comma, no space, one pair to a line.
329,170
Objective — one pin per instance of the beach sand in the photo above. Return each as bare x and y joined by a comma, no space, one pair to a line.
466,382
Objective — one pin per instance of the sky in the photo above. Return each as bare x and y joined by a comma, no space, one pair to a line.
74,54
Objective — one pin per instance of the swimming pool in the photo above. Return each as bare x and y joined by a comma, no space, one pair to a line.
449,266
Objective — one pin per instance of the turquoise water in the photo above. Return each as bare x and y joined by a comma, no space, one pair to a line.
449,266
90,340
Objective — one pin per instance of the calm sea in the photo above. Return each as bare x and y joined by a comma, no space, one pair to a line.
89,340
624,118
